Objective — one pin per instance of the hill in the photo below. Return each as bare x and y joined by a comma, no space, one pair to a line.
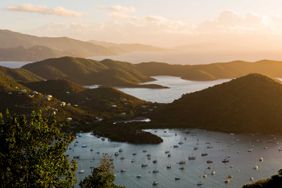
89,72
213,71
17,75
251,103
77,109
107,103
24,47
20,99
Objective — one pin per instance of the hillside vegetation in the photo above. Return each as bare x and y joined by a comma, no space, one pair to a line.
251,103
88,72
76,108
104,102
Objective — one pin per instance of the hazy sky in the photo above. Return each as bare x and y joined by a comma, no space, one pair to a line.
203,24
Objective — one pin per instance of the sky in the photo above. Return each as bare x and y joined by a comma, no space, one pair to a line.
210,25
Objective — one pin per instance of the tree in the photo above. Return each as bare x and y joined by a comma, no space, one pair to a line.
102,176
32,153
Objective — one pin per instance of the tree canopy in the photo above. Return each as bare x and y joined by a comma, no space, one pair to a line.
32,152
102,176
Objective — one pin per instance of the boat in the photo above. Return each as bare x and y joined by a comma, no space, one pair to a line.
155,171
261,159
138,176
199,184
256,167
176,179
155,183
181,168
227,181
204,154
81,172
225,161
182,163
144,165
209,162
191,158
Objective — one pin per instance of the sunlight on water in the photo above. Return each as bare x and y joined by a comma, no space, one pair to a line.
177,87
13,64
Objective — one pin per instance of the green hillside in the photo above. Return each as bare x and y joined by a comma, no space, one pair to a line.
17,75
88,72
251,103
104,102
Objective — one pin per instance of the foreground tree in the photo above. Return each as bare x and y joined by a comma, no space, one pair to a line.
32,153
102,176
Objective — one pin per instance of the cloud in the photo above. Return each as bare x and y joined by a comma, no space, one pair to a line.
232,22
119,11
59,11
227,29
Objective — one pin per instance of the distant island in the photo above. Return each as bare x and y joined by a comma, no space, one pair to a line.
213,71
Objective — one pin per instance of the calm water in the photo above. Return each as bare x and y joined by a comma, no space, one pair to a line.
13,64
218,146
177,87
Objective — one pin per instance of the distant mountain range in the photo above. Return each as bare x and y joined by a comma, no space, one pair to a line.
251,103
213,71
22,47
122,74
